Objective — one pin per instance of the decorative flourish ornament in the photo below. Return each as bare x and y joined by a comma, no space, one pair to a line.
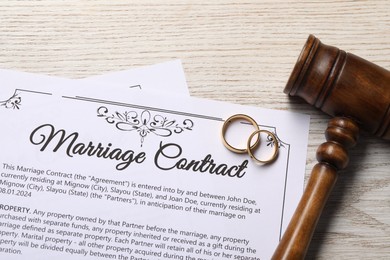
144,123
13,102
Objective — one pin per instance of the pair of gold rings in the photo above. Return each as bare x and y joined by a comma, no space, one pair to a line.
250,145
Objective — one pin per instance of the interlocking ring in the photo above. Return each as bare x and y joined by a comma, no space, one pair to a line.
276,146
249,146
235,118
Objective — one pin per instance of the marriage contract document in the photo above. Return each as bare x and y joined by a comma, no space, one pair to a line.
142,177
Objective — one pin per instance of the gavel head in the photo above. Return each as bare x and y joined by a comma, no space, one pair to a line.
343,84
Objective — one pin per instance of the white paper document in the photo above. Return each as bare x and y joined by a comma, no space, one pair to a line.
166,77
88,176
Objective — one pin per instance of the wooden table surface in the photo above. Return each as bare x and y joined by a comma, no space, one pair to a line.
236,51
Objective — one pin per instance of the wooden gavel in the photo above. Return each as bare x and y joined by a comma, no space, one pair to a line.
357,93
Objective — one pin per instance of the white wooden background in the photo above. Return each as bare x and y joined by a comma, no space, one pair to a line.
236,51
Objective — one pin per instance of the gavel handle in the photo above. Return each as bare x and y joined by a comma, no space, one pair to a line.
342,133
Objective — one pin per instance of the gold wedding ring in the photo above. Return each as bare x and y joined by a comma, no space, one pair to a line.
235,118
276,146
250,146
